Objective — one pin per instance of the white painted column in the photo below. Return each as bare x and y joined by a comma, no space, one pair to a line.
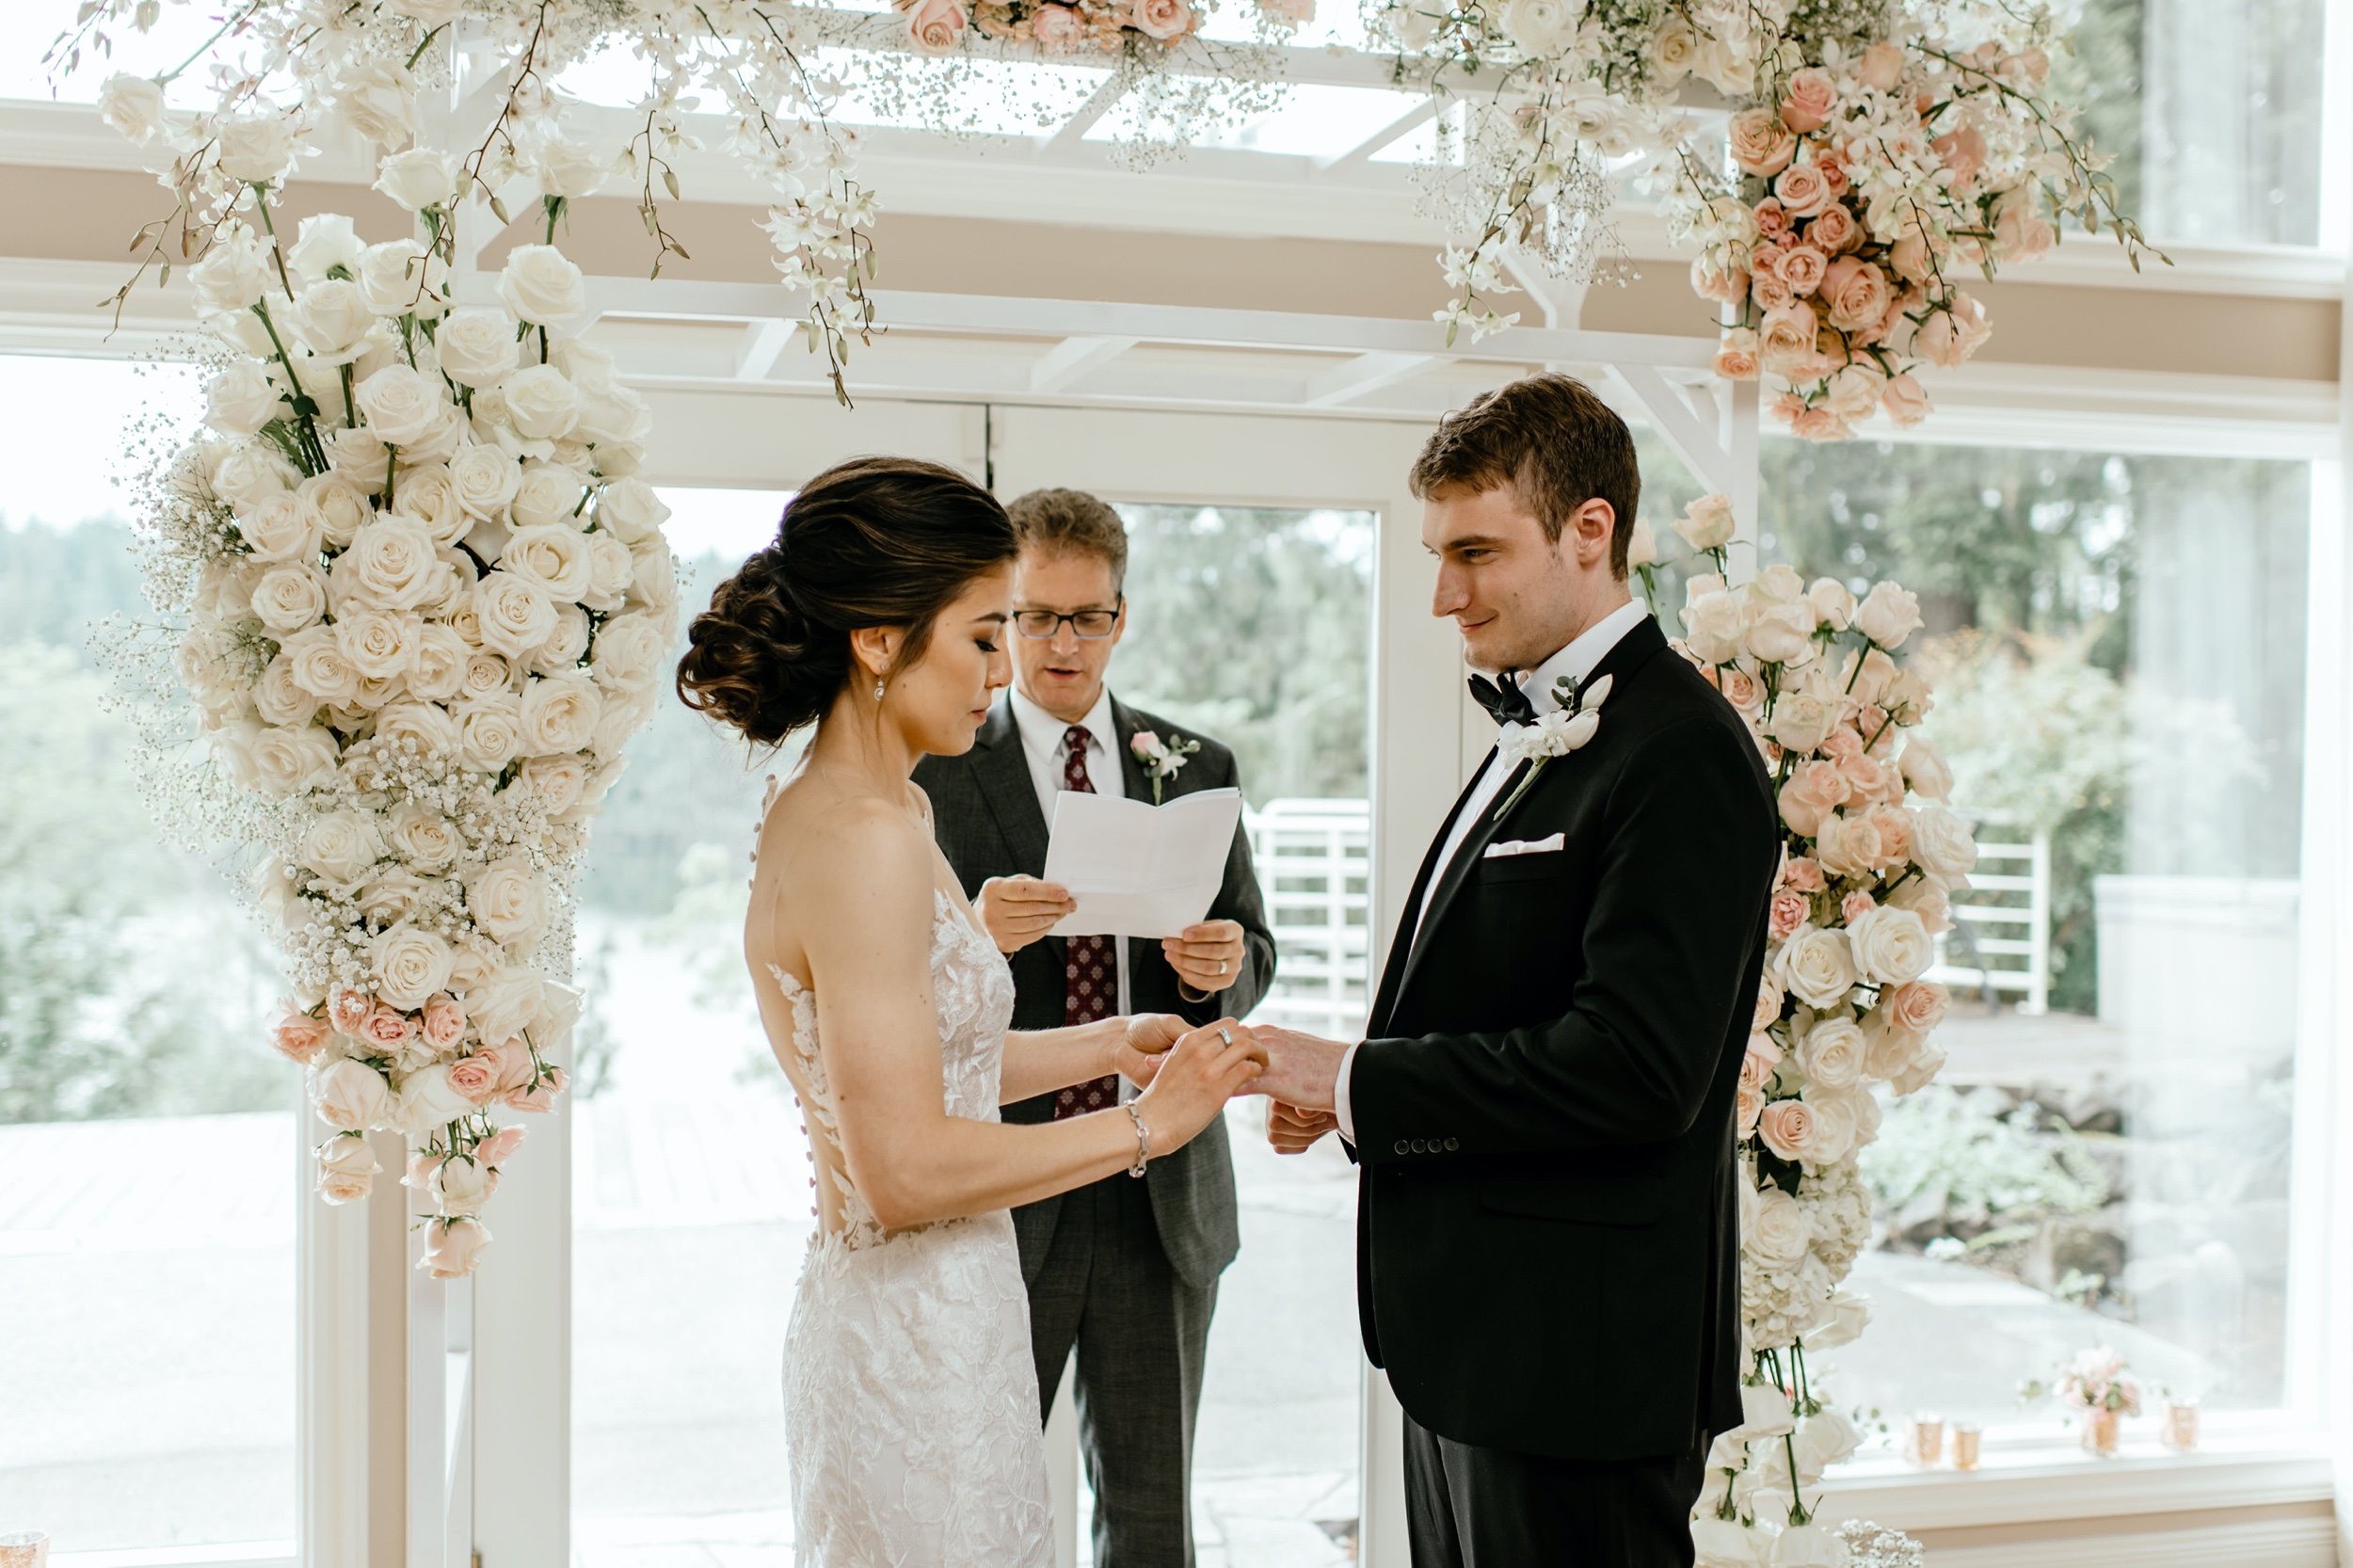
2320,1280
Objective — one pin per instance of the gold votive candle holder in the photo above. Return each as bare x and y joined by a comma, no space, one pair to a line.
27,1550
2178,1428
1966,1442
1923,1438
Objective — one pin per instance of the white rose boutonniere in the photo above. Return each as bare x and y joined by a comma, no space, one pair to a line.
1160,759
1567,729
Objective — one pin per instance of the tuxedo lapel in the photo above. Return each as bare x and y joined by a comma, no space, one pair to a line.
1457,872
1410,925
1002,771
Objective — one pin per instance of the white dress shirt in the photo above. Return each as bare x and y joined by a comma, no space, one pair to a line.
1577,662
1043,745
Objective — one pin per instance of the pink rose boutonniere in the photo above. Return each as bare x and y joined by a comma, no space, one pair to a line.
1160,759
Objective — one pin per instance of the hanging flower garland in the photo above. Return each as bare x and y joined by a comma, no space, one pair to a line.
421,603
1877,150
1872,856
282,70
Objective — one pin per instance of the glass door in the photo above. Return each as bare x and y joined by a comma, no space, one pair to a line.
629,1405
1263,595
149,1139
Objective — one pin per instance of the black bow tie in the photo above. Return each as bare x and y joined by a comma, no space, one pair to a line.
1504,701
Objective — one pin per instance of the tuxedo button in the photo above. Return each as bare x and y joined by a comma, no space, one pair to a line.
1451,1146
1403,1147
1421,1146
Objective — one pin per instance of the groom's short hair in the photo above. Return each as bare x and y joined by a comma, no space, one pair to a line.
1552,441
1062,522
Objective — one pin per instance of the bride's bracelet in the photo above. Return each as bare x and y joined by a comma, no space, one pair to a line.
1143,1140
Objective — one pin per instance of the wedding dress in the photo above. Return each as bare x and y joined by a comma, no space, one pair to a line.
910,1399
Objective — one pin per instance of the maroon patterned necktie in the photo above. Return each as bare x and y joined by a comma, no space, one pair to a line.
1091,971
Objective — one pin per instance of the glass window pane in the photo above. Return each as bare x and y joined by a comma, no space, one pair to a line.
135,996
688,1161
1255,624
2118,645
2214,110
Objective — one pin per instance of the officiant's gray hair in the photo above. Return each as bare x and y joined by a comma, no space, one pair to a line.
1062,522
1552,441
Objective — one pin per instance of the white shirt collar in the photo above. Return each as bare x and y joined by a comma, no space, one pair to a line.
1042,732
1581,657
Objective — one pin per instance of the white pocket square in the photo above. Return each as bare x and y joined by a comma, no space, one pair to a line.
1525,846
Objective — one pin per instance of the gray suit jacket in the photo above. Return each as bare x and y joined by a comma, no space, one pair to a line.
985,809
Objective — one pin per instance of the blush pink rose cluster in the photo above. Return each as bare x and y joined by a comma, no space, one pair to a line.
1845,1009
1868,188
1062,28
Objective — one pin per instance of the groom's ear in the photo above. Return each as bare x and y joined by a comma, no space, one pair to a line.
1591,528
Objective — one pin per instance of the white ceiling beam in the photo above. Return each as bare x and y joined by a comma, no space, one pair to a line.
1699,443
764,343
1073,360
680,298
1367,372
1405,124
1073,132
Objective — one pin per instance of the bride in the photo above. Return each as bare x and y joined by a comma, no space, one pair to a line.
911,1403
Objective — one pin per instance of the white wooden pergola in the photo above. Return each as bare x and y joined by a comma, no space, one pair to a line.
684,335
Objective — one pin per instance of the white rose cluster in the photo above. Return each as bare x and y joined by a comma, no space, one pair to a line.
432,603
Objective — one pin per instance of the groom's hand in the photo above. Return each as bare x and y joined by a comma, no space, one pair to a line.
1302,1068
1292,1131
1147,1038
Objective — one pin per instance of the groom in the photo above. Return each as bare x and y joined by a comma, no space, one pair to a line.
1542,1110
1126,1271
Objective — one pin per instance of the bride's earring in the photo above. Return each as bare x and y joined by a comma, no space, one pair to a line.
878,689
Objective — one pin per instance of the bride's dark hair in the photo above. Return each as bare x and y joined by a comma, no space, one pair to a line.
874,541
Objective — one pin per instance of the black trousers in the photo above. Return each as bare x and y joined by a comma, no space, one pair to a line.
1471,1507
1142,1334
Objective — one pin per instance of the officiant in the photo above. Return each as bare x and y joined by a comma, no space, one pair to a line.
1125,1271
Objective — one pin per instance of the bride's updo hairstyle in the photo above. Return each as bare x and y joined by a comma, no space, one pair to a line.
874,541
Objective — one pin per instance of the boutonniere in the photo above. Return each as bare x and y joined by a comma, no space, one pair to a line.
1567,729
1160,759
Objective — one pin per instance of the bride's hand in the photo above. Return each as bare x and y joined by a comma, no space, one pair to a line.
1197,1077
1148,1039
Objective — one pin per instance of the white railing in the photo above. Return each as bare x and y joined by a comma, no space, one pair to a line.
1314,859
2001,937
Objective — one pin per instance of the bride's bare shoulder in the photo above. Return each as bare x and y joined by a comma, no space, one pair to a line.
849,840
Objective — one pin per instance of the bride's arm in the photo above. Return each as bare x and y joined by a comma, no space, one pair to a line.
1039,1061
870,967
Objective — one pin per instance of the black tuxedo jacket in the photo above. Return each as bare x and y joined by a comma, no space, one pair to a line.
985,811
1547,1243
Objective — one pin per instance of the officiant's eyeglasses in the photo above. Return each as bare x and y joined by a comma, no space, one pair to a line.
1093,625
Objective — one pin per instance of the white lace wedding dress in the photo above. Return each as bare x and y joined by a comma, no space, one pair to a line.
910,1400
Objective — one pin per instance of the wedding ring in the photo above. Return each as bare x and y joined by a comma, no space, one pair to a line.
1225,1034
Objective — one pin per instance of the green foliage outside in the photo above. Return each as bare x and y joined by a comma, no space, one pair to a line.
128,984
1254,626
1972,1166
